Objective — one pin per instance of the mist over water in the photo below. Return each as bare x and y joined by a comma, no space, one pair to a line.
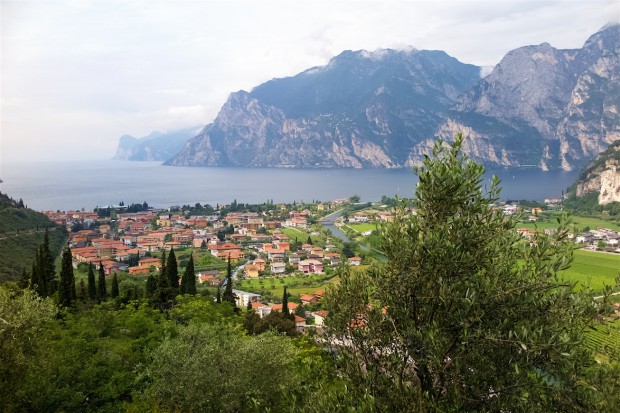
87,184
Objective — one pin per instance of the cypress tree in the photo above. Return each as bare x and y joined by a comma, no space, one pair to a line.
23,282
188,282
163,275
34,277
47,268
114,292
173,270
309,240
67,280
102,294
151,285
92,286
218,296
83,292
228,295
285,309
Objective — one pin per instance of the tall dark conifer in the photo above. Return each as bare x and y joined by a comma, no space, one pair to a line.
92,284
67,280
163,275
114,289
285,309
83,292
47,269
102,294
188,282
173,270
151,285
218,295
228,296
34,276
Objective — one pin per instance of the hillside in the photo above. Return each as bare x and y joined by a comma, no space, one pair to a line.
539,107
597,190
21,233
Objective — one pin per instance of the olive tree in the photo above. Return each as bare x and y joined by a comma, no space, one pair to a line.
465,314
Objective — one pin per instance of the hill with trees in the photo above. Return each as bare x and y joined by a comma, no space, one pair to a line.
21,232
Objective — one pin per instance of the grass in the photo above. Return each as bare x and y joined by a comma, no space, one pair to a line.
605,339
362,227
548,220
295,285
596,268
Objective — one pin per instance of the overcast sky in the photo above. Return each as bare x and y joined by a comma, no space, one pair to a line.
76,75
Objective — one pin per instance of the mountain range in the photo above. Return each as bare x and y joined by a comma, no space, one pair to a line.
539,107
156,146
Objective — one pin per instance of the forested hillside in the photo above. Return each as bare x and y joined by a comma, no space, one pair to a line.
21,233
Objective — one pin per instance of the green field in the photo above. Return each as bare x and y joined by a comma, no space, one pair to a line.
597,268
548,220
605,339
295,285
362,227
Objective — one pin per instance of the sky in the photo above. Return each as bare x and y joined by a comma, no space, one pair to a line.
76,75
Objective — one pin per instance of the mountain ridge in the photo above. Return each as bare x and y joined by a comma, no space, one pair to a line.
540,106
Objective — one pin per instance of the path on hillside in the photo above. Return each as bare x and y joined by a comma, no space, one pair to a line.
27,232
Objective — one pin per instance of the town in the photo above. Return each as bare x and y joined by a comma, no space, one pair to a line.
269,246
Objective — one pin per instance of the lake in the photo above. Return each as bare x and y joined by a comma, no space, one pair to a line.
87,184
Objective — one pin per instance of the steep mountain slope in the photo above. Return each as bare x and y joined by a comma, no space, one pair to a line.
539,107
542,106
361,110
157,146
602,176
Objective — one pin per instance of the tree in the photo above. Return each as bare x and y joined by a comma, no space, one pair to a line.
173,270
348,249
151,285
354,199
163,296
92,289
23,315
309,241
229,296
83,292
285,309
67,280
188,281
44,272
465,315
102,294
219,366
114,289
218,296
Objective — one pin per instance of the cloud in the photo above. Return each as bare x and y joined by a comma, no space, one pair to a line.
76,75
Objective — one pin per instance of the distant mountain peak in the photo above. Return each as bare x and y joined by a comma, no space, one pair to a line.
539,106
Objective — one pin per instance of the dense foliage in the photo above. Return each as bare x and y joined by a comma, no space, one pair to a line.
21,233
466,315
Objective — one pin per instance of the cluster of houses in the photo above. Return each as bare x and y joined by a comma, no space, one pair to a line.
599,236
262,310
126,242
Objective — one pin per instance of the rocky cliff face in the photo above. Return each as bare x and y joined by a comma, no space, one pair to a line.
542,106
361,110
602,176
539,107
156,146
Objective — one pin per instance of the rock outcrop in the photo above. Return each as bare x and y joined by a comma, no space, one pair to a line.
602,176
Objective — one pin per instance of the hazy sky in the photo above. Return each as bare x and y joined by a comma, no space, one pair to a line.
75,75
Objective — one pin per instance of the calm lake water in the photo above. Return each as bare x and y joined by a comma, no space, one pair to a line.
87,184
